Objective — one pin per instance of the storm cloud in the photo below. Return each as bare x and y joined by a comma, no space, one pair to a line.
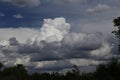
55,44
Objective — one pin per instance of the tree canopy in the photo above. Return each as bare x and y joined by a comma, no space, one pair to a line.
116,22
107,71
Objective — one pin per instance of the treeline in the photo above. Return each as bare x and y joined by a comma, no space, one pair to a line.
107,71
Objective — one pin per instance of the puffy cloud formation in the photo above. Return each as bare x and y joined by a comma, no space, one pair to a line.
24,3
52,31
55,44
99,8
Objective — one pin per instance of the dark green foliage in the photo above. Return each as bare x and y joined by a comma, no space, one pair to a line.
117,32
108,71
1,65
14,73
117,22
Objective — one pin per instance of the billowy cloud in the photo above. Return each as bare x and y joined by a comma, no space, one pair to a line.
54,44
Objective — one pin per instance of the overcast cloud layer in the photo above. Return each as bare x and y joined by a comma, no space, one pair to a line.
53,35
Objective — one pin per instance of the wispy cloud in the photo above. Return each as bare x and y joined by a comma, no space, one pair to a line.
1,14
24,3
18,16
99,8
69,1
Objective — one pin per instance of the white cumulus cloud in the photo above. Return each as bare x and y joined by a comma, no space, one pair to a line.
52,31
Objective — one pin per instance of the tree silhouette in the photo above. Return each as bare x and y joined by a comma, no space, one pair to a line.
109,70
117,32
1,65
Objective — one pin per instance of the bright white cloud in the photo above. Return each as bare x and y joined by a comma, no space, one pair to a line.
52,30
103,51
24,3
4,43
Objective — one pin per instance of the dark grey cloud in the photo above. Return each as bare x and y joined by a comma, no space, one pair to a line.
13,41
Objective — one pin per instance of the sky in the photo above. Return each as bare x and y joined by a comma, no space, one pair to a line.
54,35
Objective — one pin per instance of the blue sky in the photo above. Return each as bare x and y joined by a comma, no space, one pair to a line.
44,33
71,10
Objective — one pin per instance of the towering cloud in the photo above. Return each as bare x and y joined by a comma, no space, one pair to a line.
52,30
